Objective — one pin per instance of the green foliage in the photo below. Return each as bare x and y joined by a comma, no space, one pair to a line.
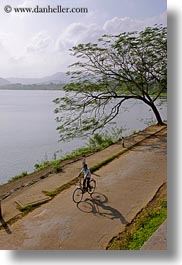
96,143
23,174
144,226
134,131
108,160
105,139
99,140
30,207
61,188
55,164
40,166
147,227
131,65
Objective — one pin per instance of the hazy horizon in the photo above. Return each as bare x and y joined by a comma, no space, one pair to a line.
23,77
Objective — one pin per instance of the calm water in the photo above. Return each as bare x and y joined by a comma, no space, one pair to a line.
28,129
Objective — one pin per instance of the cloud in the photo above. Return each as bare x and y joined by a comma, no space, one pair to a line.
6,38
117,25
77,33
40,42
31,49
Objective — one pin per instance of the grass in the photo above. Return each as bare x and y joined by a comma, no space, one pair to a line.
96,143
94,168
106,161
163,95
55,192
65,186
23,174
144,224
28,208
132,240
147,226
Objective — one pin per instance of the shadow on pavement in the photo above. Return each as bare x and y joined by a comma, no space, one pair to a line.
154,143
5,226
97,205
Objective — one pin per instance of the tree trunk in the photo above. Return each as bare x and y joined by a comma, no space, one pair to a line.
157,114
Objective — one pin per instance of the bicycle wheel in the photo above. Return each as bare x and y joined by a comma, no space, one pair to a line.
93,186
77,195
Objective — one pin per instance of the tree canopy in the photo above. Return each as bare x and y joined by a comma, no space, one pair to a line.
130,65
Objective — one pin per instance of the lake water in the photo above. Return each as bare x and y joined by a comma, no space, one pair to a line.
28,129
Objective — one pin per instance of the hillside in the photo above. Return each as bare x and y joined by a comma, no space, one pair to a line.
3,82
52,82
57,78
19,86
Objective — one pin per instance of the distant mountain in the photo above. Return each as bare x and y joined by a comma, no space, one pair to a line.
58,78
4,82
19,86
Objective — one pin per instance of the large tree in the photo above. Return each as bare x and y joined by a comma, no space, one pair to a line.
117,68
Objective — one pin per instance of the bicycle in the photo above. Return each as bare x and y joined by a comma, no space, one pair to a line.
80,190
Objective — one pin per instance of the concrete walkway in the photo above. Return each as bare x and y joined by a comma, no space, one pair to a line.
158,241
116,174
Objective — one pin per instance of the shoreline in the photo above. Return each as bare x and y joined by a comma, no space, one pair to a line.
32,201
8,188
34,146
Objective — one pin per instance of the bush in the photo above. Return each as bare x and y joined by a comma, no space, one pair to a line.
56,166
105,139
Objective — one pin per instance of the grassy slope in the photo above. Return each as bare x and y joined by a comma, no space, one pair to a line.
143,225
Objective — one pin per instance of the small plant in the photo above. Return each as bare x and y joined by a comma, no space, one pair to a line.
56,166
38,166
23,174
105,139
96,143
96,140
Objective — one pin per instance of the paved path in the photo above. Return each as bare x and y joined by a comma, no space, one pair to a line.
124,187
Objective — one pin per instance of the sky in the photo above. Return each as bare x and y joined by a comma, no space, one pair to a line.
37,44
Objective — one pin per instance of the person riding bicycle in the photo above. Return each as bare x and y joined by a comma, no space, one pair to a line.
87,176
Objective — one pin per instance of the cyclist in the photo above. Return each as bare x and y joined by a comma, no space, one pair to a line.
87,176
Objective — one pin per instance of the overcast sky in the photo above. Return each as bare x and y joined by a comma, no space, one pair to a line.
36,45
